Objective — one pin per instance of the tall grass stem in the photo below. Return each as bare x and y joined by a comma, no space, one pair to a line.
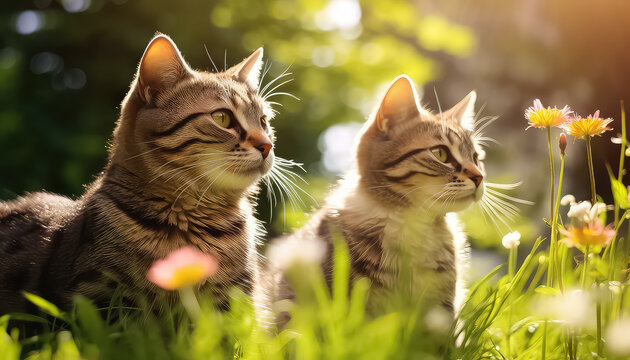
591,172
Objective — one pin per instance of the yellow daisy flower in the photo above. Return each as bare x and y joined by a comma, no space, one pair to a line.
541,117
592,125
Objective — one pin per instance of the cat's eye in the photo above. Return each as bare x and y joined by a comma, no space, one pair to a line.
440,153
263,122
223,118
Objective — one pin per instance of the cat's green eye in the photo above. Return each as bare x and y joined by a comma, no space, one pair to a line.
440,154
222,118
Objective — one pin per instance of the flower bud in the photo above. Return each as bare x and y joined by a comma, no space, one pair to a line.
511,240
562,143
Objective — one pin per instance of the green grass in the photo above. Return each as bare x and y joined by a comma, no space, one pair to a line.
325,325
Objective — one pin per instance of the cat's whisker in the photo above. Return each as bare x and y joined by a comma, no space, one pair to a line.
488,210
478,117
275,88
442,121
504,186
418,188
266,67
181,169
494,214
506,208
484,140
285,180
487,120
144,153
281,93
284,74
191,182
508,197
203,194
210,57
183,158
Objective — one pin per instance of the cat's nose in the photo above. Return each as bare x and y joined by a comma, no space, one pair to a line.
261,143
474,174
264,148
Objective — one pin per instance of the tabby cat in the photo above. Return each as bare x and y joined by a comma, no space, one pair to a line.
186,155
394,210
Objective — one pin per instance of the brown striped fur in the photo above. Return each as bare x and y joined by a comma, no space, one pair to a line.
395,208
174,178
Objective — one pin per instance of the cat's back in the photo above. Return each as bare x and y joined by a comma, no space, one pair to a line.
27,225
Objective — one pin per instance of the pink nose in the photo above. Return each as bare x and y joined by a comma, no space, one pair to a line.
264,148
474,174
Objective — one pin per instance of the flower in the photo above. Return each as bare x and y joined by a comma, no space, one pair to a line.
181,268
593,234
583,211
567,199
542,117
617,337
592,125
287,253
511,240
562,143
571,308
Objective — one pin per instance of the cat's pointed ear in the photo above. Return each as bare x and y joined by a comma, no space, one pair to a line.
464,112
399,103
161,67
248,70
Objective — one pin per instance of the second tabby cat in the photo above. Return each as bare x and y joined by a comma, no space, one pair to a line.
394,210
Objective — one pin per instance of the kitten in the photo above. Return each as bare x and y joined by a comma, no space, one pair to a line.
413,169
187,152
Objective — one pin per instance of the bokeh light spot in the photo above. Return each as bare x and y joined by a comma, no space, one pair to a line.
75,6
27,22
74,78
221,17
323,56
8,58
339,14
45,62
336,145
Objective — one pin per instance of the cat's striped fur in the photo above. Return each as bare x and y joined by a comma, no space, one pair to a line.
175,177
394,210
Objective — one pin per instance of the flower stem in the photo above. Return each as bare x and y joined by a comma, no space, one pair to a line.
544,341
552,170
550,267
590,169
600,344
189,300
584,269
622,156
553,245
512,272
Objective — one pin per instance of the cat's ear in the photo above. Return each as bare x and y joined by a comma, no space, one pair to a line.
399,103
248,70
161,67
464,112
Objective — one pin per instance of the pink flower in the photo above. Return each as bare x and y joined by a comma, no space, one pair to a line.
181,268
593,233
